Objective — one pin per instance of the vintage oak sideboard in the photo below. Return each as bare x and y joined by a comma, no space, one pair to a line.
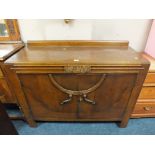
6,50
77,80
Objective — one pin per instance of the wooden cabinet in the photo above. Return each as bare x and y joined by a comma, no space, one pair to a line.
6,93
77,80
145,106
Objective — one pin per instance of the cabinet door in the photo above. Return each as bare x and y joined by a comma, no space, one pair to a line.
45,100
77,96
110,98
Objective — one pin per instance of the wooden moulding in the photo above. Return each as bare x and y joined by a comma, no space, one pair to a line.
61,69
77,43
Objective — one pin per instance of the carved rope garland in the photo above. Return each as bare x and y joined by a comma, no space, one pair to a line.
81,93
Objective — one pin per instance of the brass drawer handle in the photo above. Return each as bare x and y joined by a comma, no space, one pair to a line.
147,108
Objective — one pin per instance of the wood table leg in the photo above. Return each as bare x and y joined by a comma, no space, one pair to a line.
31,123
123,124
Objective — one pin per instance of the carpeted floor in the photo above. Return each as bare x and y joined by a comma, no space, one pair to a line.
144,126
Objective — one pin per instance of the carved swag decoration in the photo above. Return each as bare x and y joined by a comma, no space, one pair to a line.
81,93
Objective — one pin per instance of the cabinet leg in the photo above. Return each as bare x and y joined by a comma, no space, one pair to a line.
123,124
32,123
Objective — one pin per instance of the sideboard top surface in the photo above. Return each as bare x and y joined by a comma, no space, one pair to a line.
74,54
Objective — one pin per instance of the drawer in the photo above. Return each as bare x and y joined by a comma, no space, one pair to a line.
147,93
145,109
150,78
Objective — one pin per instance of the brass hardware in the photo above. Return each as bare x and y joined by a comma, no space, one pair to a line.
81,93
67,21
77,69
67,100
147,108
88,100
81,98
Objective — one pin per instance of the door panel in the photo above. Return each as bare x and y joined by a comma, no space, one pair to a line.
110,92
44,99
111,97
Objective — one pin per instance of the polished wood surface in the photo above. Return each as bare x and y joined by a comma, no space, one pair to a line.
63,55
150,78
6,92
77,83
145,106
7,50
147,92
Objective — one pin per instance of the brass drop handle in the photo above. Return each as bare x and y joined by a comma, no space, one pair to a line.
147,108
88,100
67,100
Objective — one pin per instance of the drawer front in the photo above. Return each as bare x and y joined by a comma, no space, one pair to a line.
145,109
147,93
150,78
